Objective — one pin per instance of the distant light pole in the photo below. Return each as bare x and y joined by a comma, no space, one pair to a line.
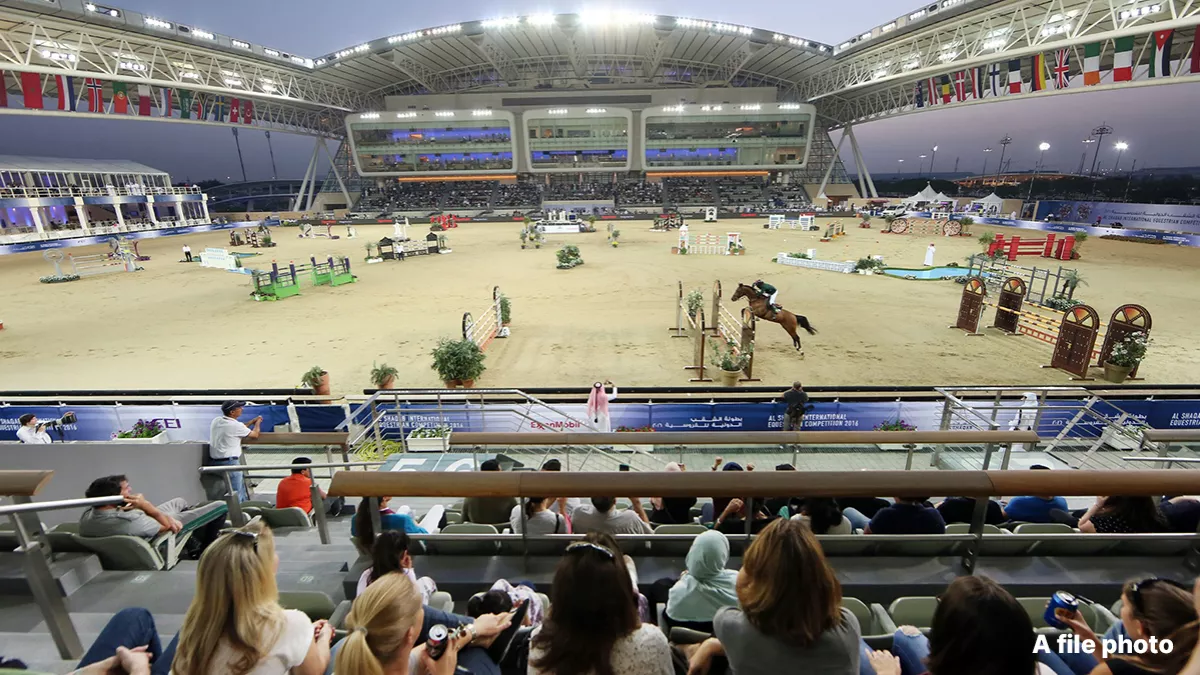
1099,133
899,167
1043,147
921,170
985,159
1121,147
1003,147
1129,182
932,160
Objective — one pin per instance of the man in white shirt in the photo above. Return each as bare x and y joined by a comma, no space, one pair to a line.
34,431
602,516
225,436
187,253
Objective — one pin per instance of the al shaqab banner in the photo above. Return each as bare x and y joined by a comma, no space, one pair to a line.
1162,217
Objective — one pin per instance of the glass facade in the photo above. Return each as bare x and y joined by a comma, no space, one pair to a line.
726,140
579,142
433,145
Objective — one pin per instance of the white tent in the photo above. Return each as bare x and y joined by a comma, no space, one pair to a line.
939,197
990,203
924,196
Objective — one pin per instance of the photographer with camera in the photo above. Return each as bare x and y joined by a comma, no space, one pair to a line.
33,430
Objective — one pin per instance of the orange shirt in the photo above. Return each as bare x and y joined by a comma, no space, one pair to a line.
294,491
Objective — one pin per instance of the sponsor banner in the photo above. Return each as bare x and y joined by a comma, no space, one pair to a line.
1161,217
73,242
1067,228
101,423
191,422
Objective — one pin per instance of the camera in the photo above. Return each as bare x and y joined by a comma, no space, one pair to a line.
68,418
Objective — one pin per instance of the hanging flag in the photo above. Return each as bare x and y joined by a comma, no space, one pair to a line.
978,80
1123,59
185,104
199,98
960,86
1160,58
1037,78
235,111
1062,69
1091,64
218,109
95,95
931,90
31,89
3,91
947,90
1195,52
66,92
247,111
994,80
144,100
164,101
120,95
1015,83
919,95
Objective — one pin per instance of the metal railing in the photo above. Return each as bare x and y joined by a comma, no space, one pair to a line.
18,192
33,551
238,517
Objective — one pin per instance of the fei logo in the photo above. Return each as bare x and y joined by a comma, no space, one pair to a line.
167,422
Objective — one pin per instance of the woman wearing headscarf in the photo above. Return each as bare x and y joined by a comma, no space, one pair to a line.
705,587
597,406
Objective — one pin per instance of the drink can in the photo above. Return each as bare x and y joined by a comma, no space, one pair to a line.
435,645
1060,600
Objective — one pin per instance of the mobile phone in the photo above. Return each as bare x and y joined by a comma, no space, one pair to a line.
623,467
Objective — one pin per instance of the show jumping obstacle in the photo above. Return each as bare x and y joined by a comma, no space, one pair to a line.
1073,333
834,231
668,221
709,244
737,333
925,227
1050,247
1040,283
806,222
280,284
309,231
92,265
487,327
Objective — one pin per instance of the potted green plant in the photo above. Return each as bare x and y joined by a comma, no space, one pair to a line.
428,439
985,240
377,450
694,299
505,310
591,223
965,223
1071,281
143,431
868,265
1125,356
731,361
383,376
538,239
458,362
613,237
524,237
316,379
568,257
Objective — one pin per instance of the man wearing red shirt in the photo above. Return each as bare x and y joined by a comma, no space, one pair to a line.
295,490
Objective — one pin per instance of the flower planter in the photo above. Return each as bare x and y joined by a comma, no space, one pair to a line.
441,444
451,384
729,378
160,438
388,383
1116,374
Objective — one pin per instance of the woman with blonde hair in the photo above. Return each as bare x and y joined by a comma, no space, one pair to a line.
789,616
235,625
384,625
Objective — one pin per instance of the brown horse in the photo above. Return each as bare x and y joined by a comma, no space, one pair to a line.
789,321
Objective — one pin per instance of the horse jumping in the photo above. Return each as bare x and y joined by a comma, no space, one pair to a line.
789,321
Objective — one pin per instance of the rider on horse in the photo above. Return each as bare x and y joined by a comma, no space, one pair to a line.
769,291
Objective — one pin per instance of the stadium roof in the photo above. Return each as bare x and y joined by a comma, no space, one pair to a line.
59,164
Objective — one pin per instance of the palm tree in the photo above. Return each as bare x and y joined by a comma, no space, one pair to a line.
986,239
1071,281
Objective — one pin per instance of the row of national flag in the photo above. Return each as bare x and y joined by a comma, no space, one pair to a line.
181,103
1000,79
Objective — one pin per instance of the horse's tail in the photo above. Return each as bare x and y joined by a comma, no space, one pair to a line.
802,321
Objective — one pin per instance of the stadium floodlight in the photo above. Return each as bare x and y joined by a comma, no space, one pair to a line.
596,111
1121,145
158,23
445,30
505,22
269,88
540,19
406,115
557,111
611,18
995,43
271,52
481,113
673,108
888,27
912,65
201,33
240,44
444,113
750,106
320,62
189,75
101,9
369,116
710,108
133,65
57,56
789,106
233,82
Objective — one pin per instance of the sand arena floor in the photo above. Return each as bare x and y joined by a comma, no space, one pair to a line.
183,326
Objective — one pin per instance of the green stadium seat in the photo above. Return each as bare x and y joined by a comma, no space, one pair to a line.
877,627
482,547
675,548
315,604
292,516
913,611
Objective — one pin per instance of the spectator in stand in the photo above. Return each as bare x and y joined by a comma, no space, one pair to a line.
535,517
363,530
909,515
784,507
225,442
672,510
733,519
235,623
594,626
489,510
597,406
719,504
564,505
296,490
823,516
33,430
706,586
1182,513
789,617
962,510
1121,514
390,554
1037,509
137,517
601,516
978,628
